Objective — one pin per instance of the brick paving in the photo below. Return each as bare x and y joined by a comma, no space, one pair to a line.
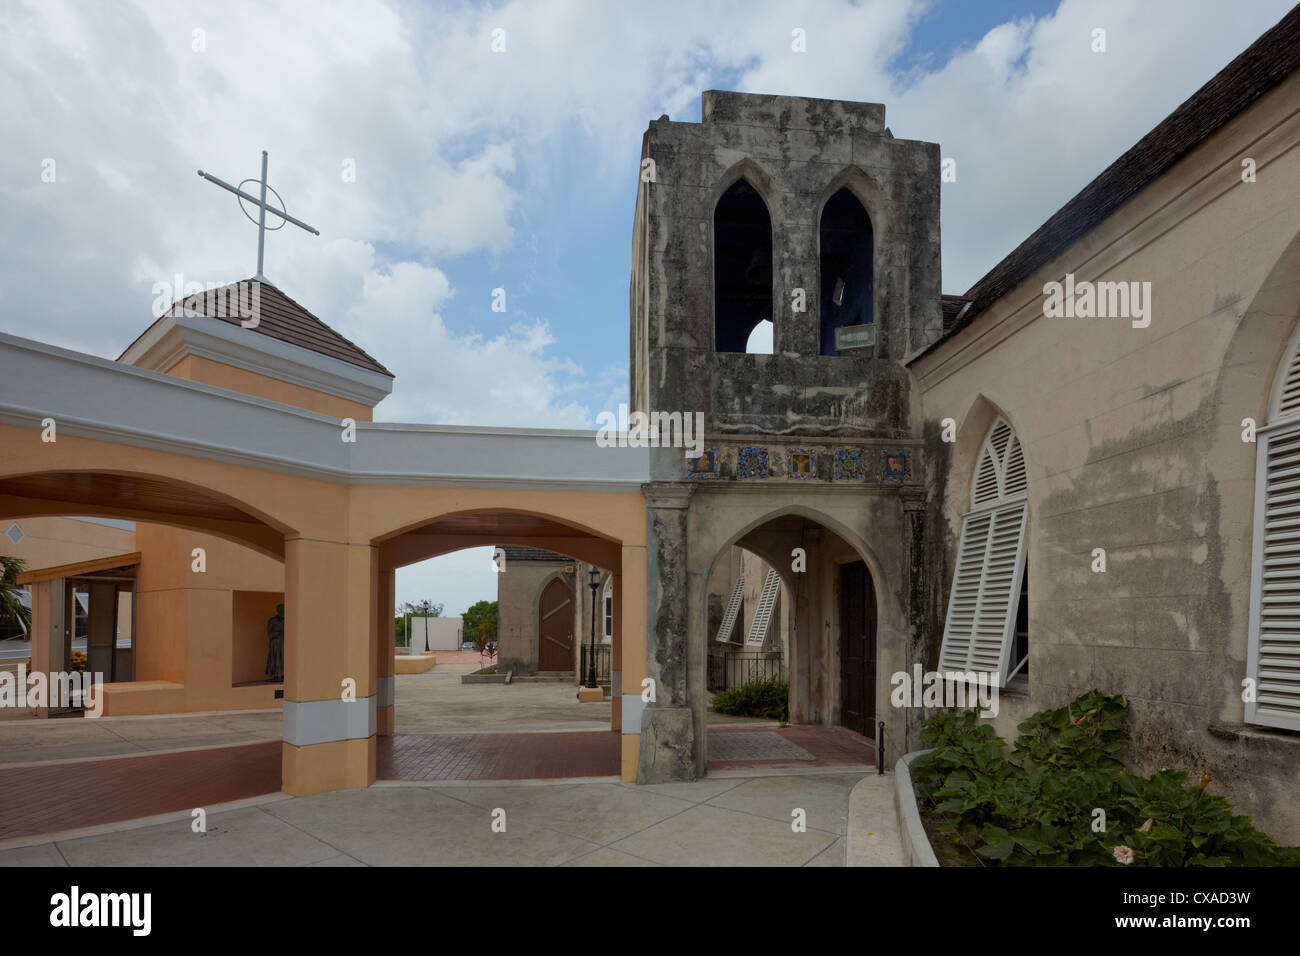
527,756
825,746
69,795
758,745
66,795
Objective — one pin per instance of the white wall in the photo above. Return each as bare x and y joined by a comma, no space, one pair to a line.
435,634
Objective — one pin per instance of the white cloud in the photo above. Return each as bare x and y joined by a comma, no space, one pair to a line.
460,152
454,580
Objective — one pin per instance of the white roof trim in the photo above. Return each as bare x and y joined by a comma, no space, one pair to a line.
119,403
251,351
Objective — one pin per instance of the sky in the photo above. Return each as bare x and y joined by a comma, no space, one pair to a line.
474,169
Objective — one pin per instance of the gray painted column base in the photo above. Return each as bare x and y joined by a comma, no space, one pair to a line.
667,745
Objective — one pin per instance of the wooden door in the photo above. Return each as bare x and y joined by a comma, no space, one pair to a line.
857,649
555,628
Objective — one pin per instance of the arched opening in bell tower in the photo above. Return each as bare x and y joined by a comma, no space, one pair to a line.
847,275
742,266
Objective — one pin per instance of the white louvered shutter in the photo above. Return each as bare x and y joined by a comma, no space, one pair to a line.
1273,657
1288,400
762,621
733,609
980,627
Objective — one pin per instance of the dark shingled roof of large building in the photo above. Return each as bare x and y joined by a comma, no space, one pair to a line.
284,319
1264,65
518,553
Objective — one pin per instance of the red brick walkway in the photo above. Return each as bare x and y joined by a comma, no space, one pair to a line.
70,795
526,756
830,747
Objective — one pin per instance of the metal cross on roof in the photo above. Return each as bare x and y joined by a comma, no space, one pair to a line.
263,209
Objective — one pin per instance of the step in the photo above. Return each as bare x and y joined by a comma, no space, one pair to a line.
547,677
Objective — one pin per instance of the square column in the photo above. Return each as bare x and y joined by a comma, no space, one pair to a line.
669,748
330,666
629,655
616,653
385,649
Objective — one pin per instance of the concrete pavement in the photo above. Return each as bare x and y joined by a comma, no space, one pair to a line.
433,702
711,822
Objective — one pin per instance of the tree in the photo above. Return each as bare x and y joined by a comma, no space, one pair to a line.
481,619
11,605
425,608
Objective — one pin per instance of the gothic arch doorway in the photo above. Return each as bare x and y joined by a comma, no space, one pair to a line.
555,628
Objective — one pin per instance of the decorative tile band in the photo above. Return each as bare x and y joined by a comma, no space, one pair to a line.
706,466
801,464
849,464
751,462
895,466
821,464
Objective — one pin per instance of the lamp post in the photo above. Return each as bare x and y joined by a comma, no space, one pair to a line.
594,575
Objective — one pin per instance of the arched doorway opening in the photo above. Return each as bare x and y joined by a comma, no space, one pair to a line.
822,645
113,561
516,715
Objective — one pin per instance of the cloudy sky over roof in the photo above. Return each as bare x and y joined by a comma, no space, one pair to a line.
476,170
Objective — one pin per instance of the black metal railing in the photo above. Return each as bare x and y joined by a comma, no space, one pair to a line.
732,668
602,663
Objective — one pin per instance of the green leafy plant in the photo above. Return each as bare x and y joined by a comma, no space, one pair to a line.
769,699
11,605
1087,734
1063,797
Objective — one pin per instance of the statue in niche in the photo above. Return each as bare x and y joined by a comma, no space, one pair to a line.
275,653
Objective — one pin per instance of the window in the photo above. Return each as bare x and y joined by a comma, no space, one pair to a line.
989,586
847,247
1273,649
608,601
742,266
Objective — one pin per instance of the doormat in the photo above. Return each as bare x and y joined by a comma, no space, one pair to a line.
759,745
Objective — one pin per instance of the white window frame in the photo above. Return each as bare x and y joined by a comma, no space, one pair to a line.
607,608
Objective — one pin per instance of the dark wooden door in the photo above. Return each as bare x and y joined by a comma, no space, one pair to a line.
555,628
857,649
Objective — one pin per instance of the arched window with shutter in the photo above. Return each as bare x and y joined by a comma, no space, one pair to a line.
982,632
1273,654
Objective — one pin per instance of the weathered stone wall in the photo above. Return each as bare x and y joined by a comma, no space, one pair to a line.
1132,439
834,438
797,153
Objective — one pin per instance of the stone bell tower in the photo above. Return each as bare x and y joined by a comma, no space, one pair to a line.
805,224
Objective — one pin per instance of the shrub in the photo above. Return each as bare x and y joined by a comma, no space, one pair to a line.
769,699
1063,796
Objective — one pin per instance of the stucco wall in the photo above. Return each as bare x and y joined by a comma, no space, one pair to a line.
518,589
221,642
50,542
1132,439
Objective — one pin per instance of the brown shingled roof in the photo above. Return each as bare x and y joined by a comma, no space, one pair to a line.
520,553
284,319
1264,65
952,307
